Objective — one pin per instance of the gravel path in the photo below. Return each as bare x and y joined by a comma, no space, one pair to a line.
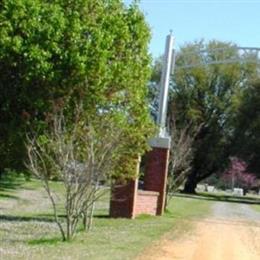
231,211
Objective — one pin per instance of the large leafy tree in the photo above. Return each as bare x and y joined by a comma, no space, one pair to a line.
207,96
92,50
247,127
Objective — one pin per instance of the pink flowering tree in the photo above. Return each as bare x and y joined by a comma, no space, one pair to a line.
237,176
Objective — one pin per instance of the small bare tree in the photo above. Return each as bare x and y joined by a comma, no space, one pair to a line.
80,155
181,155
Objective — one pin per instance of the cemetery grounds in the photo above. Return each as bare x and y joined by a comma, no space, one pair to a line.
194,227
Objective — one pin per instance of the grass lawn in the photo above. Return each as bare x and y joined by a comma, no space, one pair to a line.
256,207
27,230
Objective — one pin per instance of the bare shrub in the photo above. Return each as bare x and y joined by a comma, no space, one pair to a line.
181,155
80,154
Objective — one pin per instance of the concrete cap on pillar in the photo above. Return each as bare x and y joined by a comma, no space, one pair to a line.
160,142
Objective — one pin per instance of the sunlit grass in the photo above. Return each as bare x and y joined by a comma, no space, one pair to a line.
27,230
256,207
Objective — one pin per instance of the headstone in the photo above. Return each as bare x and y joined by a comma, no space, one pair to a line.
238,192
210,188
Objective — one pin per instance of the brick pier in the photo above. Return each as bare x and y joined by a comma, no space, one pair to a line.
128,202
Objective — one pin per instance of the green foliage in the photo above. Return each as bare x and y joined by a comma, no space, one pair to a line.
216,181
247,131
94,50
208,96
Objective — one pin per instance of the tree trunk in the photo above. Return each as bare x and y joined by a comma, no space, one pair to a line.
90,221
190,185
85,220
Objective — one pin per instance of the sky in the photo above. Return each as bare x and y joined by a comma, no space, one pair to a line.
236,21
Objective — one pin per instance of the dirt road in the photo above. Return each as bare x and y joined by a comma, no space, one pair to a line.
231,233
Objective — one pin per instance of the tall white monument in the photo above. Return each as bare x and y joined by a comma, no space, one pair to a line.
156,168
163,139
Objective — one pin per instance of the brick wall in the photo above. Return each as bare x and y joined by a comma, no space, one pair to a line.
146,202
123,199
127,202
155,176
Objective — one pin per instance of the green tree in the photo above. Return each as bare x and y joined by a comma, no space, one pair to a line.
207,96
93,50
247,128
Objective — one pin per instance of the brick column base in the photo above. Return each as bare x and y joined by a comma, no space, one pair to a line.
123,198
156,169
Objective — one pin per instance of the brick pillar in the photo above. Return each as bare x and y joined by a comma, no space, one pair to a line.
123,199
156,169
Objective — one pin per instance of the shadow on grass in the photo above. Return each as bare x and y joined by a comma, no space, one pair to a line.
101,216
40,218
220,197
45,241
7,196
11,182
